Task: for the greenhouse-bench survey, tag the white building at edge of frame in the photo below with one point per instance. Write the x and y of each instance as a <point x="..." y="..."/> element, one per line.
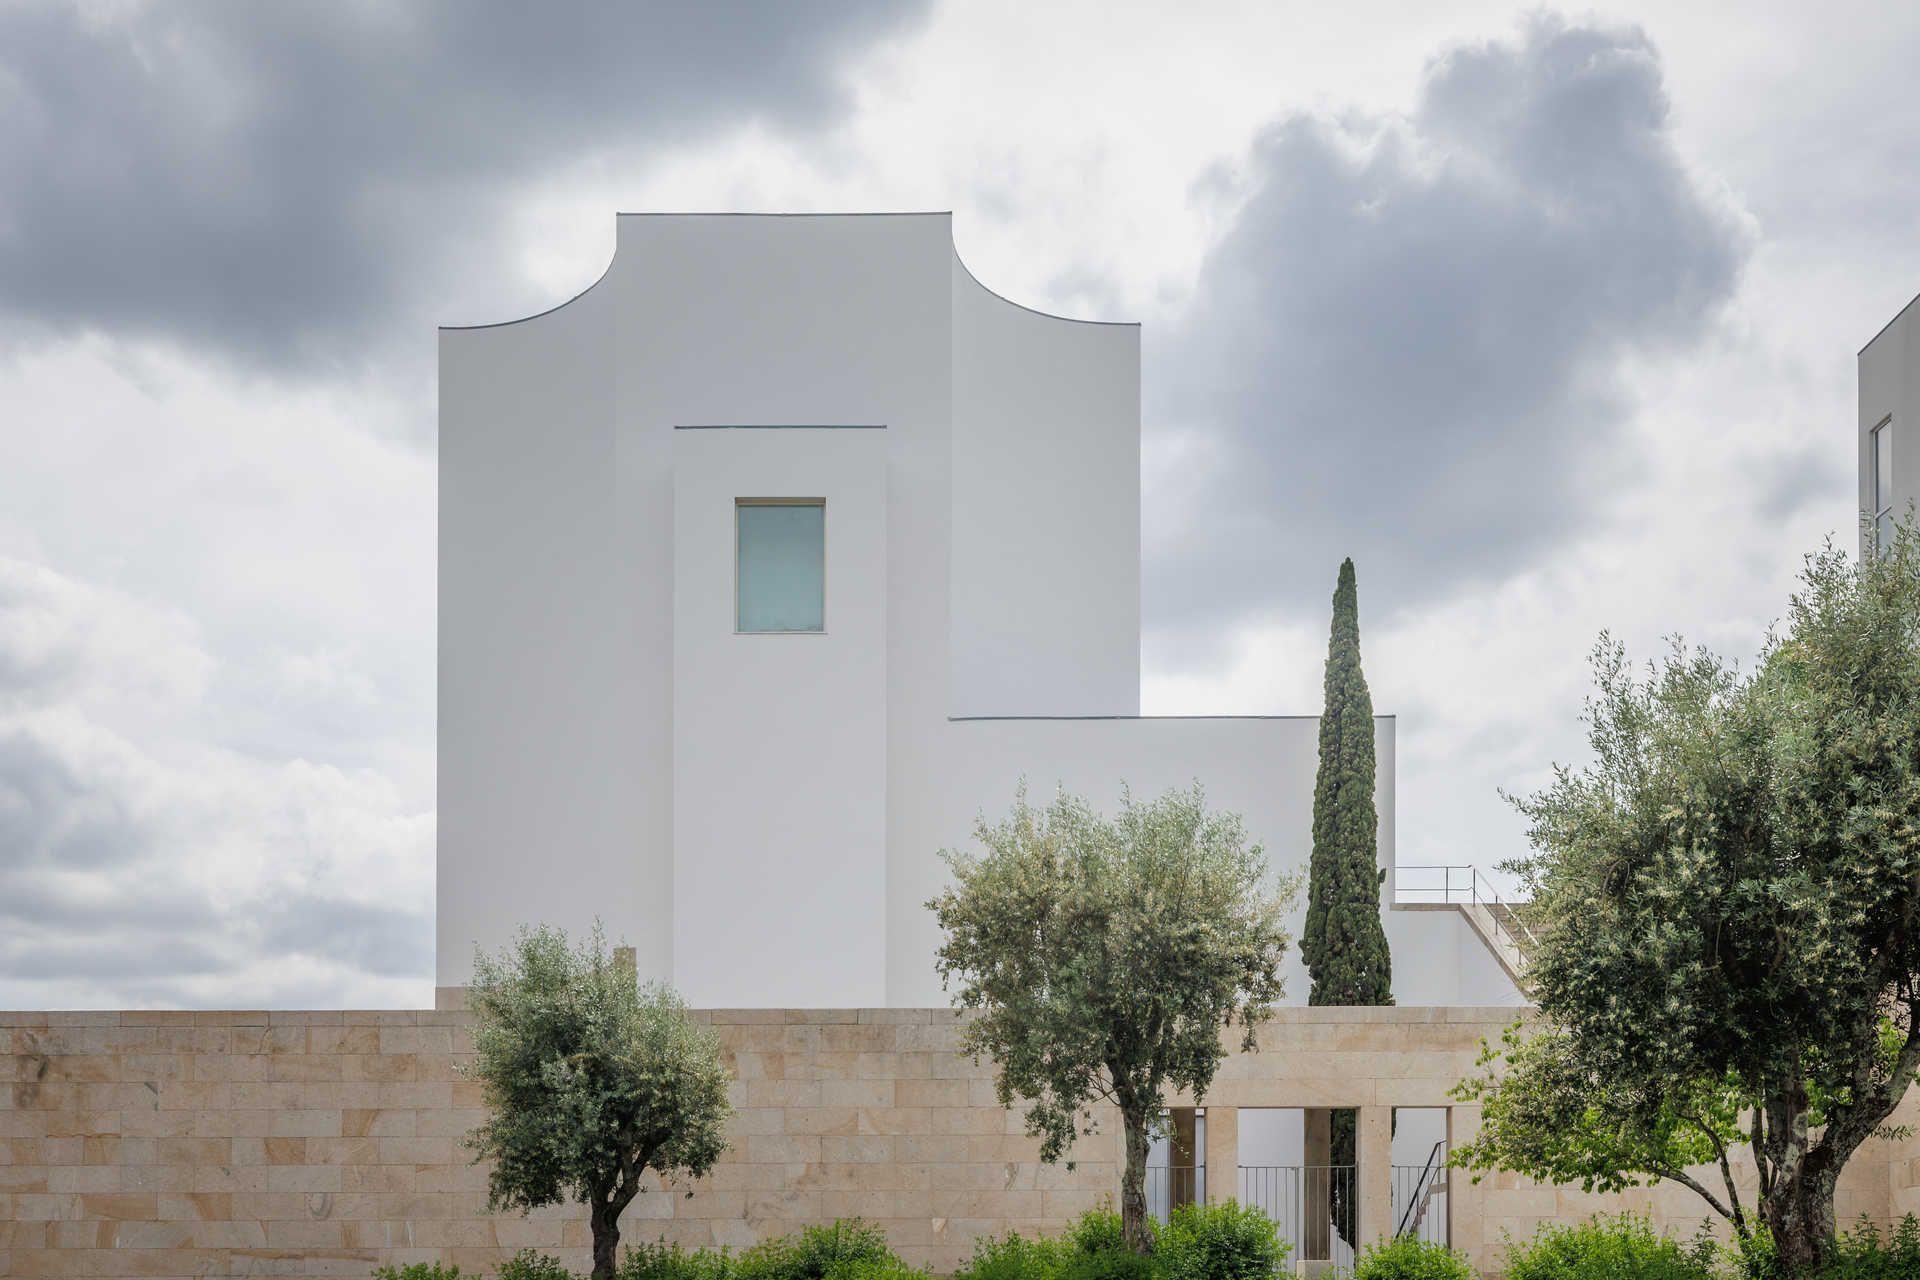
<point x="768" y="564"/>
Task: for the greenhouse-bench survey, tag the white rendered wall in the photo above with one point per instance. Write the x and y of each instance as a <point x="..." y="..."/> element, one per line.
<point x="1440" y="960"/>
<point x="780" y="741"/>
<point x="532" y="826"/>
<point x="1046" y="510"/>
<point x="1889" y="373"/>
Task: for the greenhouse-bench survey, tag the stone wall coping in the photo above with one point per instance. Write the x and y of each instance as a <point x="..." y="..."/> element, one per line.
<point x="451" y="1012"/>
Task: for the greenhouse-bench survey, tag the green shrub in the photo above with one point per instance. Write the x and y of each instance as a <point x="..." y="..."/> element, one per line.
<point x="416" y="1271"/>
<point x="869" y="1269"/>
<point x="663" y="1261"/>
<point x="1603" y="1248"/>
<point x="1410" y="1259"/>
<point x="812" y="1253"/>
<point x="1107" y="1264"/>
<point x="1864" y="1254"/>
<point x="1099" y="1231"/>
<point x="1014" y="1257"/>
<point x="1218" y="1242"/>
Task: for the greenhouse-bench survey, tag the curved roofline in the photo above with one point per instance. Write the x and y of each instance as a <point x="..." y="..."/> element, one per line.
<point x="992" y="292"/>
<point x="865" y="213"/>
<point x="502" y="324"/>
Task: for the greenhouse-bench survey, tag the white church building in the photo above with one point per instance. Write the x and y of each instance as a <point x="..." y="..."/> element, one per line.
<point x="767" y="565"/>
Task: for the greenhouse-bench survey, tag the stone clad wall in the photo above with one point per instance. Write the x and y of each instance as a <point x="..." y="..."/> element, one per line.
<point x="322" y="1144"/>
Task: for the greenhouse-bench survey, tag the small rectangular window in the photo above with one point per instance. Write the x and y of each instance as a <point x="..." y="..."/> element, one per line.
<point x="1883" y="485"/>
<point x="780" y="567"/>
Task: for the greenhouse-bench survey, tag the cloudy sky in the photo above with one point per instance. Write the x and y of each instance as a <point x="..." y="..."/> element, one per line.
<point x="1545" y="317"/>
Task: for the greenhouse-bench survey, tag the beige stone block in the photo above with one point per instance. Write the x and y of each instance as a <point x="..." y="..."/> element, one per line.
<point x="782" y="1093"/>
<point x="901" y="1066"/>
<point x="823" y="1120"/>
<point x="343" y="1040"/>
<point x="83" y="1177"/>
<point x="932" y="1149"/>
<point x="931" y="1093"/>
<point x="439" y="1067"/>
<point x="305" y="1067"/>
<point x="302" y="1179"/>
<point x="141" y="1123"/>
<point x="895" y="1121"/>
<point x="868" y="1149"/>
<point x="196" y="1206"/>
<point x="152" y="1235"/>
<point x="194" y="1151"/>
<point x="135" y="1206"/>
<point x="372" y="1122"/>
<point x="782" y="1149"/>
<point x="305" y="1124"/>
<point x="167" y="1177"/>
<point x="857" y="1093"/>
<point x="80" y="1235"/>
<point x="415" y="1151"/>
<point x="339" y="1151"/>
<point x="420" y="1096"/>
<point x="387" y="1178"/>
<point x="35" y="1207"/>
<point x="447" y="1122"/>
<point x="228" y="1235"/>
<point x="309" y="1234"/>
<point x="82" y="1124"/>
<point x="78" y="1068"/>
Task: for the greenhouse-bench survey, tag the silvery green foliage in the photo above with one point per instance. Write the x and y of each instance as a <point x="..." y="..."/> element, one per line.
<point x="1105" y="957"/>
<point x="591" y="1080"/>
<point x="1731" y="891"/>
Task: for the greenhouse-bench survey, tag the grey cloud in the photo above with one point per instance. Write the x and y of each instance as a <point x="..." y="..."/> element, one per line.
<point x="384" y="941"/>
<point x="108" y="849"/>
<point x="51" y="815"/>
<point x="1403" y="350"/>
<point x="279" y="180"/>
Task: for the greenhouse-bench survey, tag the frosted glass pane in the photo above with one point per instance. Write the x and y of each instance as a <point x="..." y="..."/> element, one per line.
<point x="783" y="565"/>
<point x="1883" y="468"/>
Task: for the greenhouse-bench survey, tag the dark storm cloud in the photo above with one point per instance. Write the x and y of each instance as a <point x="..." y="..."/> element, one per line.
<point x="1403" y="350"/>
<point x="278" y="179"/>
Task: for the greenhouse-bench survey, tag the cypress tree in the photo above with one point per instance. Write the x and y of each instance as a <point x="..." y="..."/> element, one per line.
<point x="1344" y="944"/>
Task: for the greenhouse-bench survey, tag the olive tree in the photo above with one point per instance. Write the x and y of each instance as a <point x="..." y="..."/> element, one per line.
<point x="1106" y="956"/>
<point x="1550" y="1116"/>
<point x="590" y="1080"/>
<point x="1729" y="895"/>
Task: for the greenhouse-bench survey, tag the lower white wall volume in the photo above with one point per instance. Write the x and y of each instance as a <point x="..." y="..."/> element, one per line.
<point x="780" y="740"/>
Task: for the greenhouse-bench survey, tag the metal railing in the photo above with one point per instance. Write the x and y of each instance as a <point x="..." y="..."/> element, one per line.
<point x="1464" y="885"/>
<point x="1170" y="1186"/>
<point x="1415" y="1188"/>
<point x="1303" y="1201"/>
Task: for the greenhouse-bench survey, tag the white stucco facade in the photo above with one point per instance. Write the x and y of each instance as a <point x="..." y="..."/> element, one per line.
<point x="761" y="815"/>
<point x="1889" y="388"/>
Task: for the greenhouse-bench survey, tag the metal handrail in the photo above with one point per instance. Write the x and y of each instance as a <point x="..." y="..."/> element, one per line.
<point x="1476" y="890"/>
<point x="1408" y="1222"/>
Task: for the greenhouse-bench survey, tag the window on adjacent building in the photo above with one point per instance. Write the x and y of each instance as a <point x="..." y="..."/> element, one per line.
<point x="1883" y="485"/>
<point x="780" y="566"/>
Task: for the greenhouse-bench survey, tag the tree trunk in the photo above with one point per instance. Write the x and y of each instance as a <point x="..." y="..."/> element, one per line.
<point x="606" y="1237"/>
<point x="1799" y="1213"/>
<point x="1133" y="1184"/>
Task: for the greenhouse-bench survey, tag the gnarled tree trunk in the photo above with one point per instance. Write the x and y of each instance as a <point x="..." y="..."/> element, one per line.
<point x="1133" y="1181"/>
<point x="1799" y="1213"/>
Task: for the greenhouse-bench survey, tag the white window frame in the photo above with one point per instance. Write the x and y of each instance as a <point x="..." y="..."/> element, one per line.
<point x="1882" y="490"/>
